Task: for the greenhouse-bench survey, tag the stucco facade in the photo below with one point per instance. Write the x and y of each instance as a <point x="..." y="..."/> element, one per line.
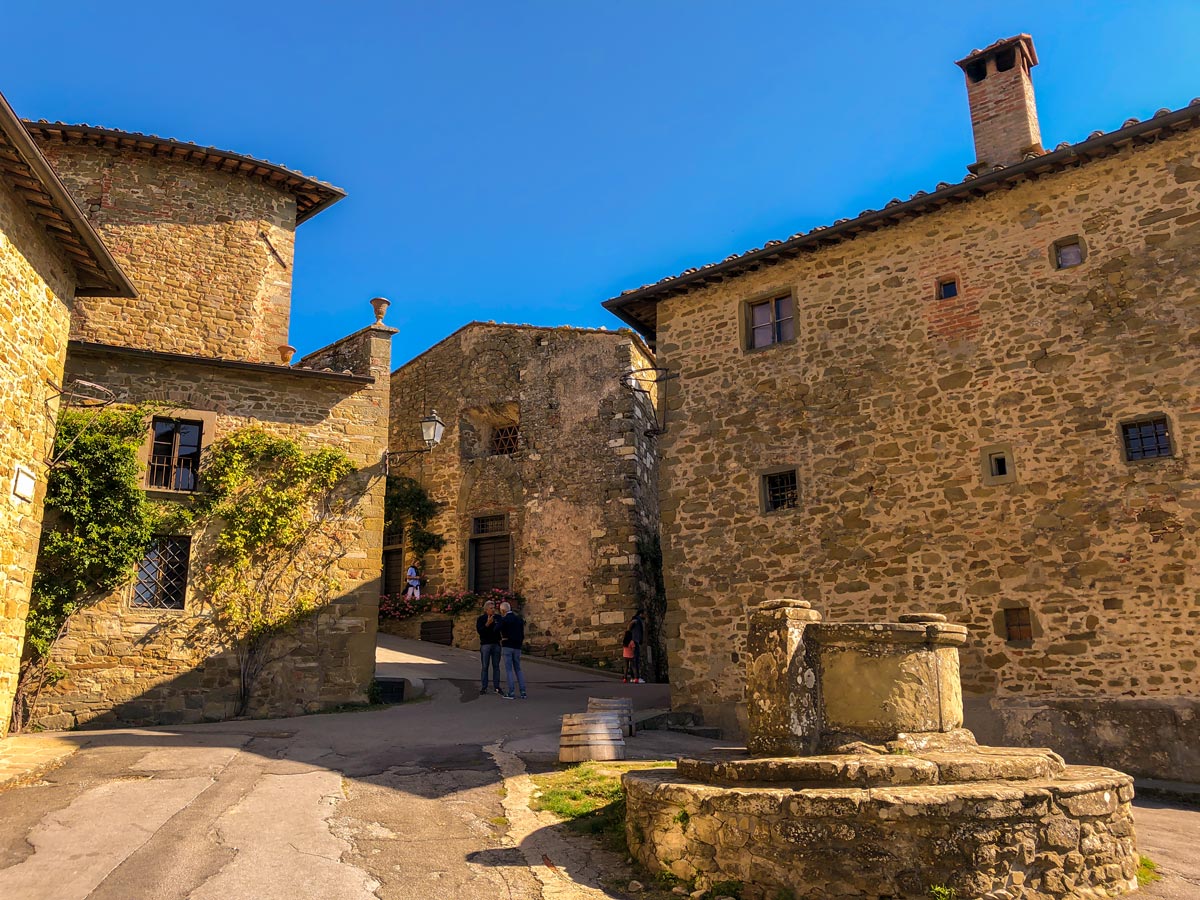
<point x="891" y="404"/>
<point x="573" y="495"/>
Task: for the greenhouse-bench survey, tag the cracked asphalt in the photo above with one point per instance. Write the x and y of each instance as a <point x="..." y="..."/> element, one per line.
<point x="424" y="800"/>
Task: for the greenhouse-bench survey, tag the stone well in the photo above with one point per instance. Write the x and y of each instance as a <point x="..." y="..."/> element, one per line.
<point x="860" y="781"/>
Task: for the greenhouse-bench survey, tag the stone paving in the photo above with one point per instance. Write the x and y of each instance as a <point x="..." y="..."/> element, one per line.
<point x="424" y="800"/>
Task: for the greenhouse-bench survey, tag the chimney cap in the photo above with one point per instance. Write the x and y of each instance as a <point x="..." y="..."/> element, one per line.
<point x="1022" y="41"/>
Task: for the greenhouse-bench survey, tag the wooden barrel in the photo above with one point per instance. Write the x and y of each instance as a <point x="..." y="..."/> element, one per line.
<point x="622" y="706"/>
<point x="590" y="736"/>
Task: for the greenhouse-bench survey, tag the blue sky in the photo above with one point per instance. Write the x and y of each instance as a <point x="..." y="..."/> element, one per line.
<point x="524" y="161"/>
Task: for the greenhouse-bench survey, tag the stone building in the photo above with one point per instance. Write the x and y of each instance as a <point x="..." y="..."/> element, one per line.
<point x="547" y="476"/>
<point x="207" y="237"/>
<point x="49" y="257"/>
<point x="981" y="401"/>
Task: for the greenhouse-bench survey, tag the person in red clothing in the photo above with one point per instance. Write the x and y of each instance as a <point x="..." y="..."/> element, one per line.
<point x="627" y="652"/>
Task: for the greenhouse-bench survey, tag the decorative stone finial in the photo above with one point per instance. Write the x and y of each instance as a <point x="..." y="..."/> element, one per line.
<point x="380" y="305"/>
<point x="286" y="352"/>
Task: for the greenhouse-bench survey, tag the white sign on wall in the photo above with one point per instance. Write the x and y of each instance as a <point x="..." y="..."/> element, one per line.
<point x="24" y="483"/>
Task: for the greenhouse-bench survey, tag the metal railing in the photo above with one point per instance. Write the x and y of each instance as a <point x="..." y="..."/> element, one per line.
<point x="172" y="473"/>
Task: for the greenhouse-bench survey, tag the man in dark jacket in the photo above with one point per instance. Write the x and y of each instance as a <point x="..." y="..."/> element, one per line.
<point x="637" y="629"/>
<point x="487" y="626"/>
<point x="512" y="637"/>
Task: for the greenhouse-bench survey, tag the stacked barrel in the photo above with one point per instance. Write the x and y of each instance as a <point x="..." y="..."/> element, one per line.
<point x="599" y="733"/>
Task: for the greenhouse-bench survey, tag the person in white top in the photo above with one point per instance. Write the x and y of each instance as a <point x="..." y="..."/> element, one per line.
<point x="413" y="576"/>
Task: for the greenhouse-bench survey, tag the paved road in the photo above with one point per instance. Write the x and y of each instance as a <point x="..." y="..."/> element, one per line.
<point x="423" y="800"/>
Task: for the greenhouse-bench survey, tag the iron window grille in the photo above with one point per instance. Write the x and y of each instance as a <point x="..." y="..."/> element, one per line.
<point x="1018" y="626"/>
<point x="504" y="440"/>
<point x="771" y="322"/>
<point x="1146" y="439"/>
<point x="162" y="574"/>
<point x="780" y="491"/>
<point x="175" y="454"/>
<point x="490" y="525"/>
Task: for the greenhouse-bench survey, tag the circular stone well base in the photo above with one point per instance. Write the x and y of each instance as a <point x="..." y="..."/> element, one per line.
<point x="1069" y="834"/>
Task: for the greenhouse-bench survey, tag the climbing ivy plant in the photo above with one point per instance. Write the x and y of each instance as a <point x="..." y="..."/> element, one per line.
<point x="407" y="510"/>
<point x="271" y="514"/>
<point x="97" y="527"/>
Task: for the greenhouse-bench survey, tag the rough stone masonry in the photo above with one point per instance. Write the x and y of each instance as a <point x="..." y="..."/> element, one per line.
<point x="1026" y="315"/>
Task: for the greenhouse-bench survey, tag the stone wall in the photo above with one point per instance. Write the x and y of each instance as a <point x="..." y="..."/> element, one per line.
<point x="210" y="253"/>
<point x="36" y="287"/>
<point x="886" y="404"/>
<point x="132" y="665"/>
<point x="579" y="491"/>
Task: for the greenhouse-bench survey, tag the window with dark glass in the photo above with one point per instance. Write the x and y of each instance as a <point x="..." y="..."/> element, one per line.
<point x="504" y="440"/>
<point x="1017" y="624"/>
<point x="1068" y="254"/>
<point x="780" y="491"/>
<point x="175" y="454"/>
<point x="162" y="574"/>
<point x="1146" y="439"/>
<point x="947" y="288"/>
<point x="771" y="322"/>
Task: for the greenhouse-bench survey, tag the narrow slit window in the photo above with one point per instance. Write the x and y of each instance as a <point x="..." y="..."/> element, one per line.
<point x="1018" y="626"/>
<point x="998" y="464"/>
<point x="771" y="322"/>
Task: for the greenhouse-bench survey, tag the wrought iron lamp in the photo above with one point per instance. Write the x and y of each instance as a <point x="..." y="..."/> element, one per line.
<point x="432" y="428"/>
<point x="648" y="381"/>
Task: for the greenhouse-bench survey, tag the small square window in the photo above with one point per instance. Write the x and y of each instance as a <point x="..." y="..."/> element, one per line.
<point x="1146" y="439"/>
<point x="1068" y="254"/>
<point x="1018" y="626"/>
<point x="770" y="322"/>
<point x="780" y="491"/>
<point x="504" y="440"/>
<point x="998" y="464"/>
<point x="947" y="289"/>
<point x="162" y="574"/>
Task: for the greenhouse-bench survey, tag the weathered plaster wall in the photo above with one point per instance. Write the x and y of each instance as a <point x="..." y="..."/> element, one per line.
<point x="210" y="253"/>
<point x="137" y="666"/>
<point x="883" y="404"/>
<point x="36" y="287"/>
<point x="579" y="491"/>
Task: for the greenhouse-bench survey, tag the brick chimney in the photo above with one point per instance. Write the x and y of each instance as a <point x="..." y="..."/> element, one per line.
<point x="1000" y="92"/>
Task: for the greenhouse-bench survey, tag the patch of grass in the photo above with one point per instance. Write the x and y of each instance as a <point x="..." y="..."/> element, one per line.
<point x="682" y="818"/>
<point x="589" y="797"/>
<point x="502" y="821"/>
<point x="941" y="892"/>
<point x="502" y="791"/>
<point x="1147" y="871"/>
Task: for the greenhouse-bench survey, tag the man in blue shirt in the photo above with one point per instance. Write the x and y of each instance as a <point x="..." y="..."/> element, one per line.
<point x="512" y="637"/>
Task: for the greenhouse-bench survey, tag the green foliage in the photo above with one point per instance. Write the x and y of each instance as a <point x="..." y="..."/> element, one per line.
<point x="98" y="523"/>
<point x="941" y="892"/>
<point x="408" y="508"/>
<point x="97" y="527"/>
<point x="271" y="500"/>
<point x="590" y="798"/>
<point x="682" y="818"/>
<point x="397" y="606"/>
<point x="1147" y="871"/>
<point x="273" y="516"/>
